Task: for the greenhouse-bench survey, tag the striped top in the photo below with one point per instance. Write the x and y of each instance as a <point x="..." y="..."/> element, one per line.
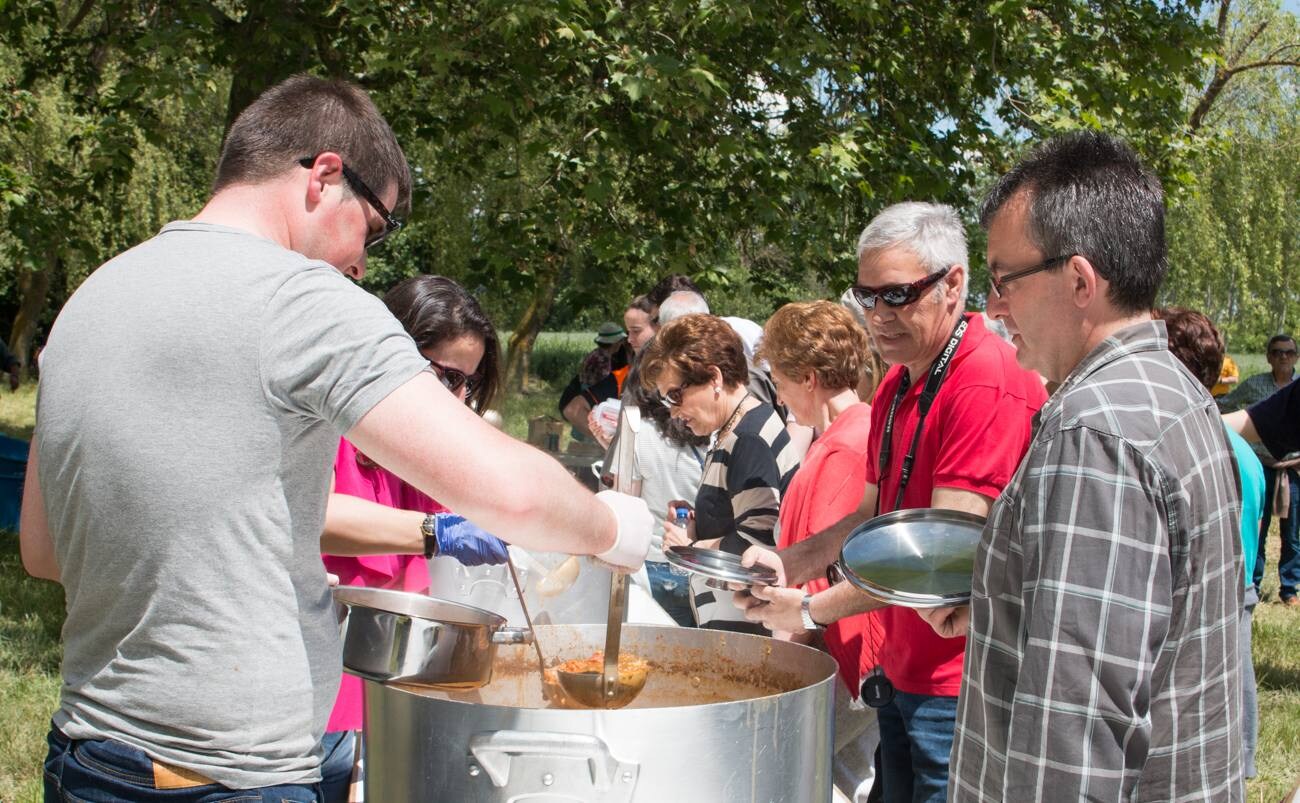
<point x="745" y="476"/>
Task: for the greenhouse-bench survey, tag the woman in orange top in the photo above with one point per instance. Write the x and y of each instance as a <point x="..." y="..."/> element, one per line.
<point x="817" y="353"/>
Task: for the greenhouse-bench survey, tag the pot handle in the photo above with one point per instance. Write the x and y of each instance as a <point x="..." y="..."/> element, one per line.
<point x="561" y="765"/>
<point x="512" y="635"/>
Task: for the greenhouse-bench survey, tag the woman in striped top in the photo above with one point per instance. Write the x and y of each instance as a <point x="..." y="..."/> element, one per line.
<point x="697" y="364"/>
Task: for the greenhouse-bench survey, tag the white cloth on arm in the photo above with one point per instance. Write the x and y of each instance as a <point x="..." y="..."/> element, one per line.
<point x="194" y="391"/>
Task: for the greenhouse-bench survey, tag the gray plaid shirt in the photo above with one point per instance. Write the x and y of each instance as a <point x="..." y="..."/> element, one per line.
<point x="1102" y="660"/>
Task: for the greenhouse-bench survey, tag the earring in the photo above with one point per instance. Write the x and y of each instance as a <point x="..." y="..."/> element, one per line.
<point x="716" y="391"/>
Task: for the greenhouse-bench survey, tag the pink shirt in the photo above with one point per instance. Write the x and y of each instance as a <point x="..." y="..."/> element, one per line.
<point x="828" y="487"/>
<point x="403" y="572"/>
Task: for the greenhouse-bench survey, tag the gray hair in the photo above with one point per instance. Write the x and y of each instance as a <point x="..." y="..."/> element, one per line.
<point x="681" y="303"/>
<point x="933" y="232"/>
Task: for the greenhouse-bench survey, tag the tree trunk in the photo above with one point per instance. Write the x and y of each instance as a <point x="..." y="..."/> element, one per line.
<point x="265" y="57"/>
<point x="530" y="324"/>
<point x="34" y="291"/>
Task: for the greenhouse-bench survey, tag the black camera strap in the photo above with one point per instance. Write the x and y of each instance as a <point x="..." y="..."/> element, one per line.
<point x="876" y="689"/>
<point x="934" y="380"/>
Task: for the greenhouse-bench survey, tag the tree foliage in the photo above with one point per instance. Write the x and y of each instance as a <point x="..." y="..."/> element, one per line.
<point x="569" y="152"/>
<point x="1235" y="236"/>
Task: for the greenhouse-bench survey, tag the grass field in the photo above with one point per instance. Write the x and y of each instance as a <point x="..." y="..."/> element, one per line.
<point x="31" y="614"/>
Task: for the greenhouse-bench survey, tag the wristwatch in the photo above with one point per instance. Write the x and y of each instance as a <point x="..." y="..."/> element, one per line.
<point x="429" y="529"/>
<point x="806" y="613"/>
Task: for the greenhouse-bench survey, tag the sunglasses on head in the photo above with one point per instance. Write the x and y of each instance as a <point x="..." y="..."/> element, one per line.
<point x="391" y="223"/>
<point x="454" y="379"/>
<point x="896" y="295"/>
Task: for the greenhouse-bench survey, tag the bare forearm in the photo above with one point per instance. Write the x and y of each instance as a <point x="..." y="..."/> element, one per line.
<point x="34" y="540"/>
<point x="1240" y="423"/>
<point x="355" y="526"/>
<point x="839" y="601"/>
<point x="425" y="436"/>
<point x="809" y="558"/>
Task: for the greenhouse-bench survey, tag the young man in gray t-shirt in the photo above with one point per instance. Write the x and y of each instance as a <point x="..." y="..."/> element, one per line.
<point x="193" y="392"/>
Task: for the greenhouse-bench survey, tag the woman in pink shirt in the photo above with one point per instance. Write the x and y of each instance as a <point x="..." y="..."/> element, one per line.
<point x="368" y="501"/>
<point x="817" y="354"/>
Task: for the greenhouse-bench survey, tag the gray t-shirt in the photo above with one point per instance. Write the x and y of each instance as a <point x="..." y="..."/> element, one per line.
<point x="193" y="392"/>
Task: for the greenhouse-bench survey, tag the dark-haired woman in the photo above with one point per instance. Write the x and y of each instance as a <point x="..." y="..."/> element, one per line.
<point x="372" y="504"/>
<point x="697" y="364"/>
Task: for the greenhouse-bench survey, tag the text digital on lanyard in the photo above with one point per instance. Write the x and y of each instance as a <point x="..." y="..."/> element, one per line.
<point x="877" y="691"/>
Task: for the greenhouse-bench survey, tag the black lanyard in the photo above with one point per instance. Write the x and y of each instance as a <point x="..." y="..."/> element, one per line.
<point x="938" y="371"/>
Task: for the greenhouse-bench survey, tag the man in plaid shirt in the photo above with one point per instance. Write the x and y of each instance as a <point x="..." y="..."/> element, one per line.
<point x="1101" y="661"/>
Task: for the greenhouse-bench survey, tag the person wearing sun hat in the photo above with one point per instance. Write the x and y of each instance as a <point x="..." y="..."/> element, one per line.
<point x="600" y="376"/>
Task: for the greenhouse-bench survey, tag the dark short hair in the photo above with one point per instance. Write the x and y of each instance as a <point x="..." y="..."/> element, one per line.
<point x="435" y="310"/>
<point x="1090" y="195"/>
<point x="670" y="284"/>
<point x="1279" y="338"/>
<point x="304" y="116"/>
<point x="1195" y="342"/>
<point x="691" y="345"/>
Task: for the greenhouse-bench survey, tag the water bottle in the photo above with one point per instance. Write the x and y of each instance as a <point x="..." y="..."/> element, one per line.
<point x="682" y="516"/>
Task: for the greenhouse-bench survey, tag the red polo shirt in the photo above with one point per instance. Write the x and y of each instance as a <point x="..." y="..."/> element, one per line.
<point x="976" y="433"/>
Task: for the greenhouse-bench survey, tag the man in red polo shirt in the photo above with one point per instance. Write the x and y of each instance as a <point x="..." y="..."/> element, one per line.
<point x="912" y="286"/>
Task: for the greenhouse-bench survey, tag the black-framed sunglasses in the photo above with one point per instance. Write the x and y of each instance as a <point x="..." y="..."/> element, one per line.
<point x="896" y="295"/>
<point x="1275" y="352"/>
<point x="453" y="379"/>
<point x="673" y="396"/>
<point x="391" y="223"/>
<point x="999" y="285"/>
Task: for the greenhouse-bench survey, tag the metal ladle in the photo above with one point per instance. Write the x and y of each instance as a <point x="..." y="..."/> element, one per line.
<point x="523" y="605"/>
<point x="607" y="689"/>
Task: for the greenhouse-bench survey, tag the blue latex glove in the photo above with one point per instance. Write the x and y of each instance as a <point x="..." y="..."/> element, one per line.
<point x="466" y="543"/>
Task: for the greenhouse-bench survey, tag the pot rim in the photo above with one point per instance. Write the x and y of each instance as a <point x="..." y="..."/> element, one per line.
<point x="418" y="606"/>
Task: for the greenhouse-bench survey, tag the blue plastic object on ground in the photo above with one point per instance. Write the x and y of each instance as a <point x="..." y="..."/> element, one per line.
<point x="13" y="470"/>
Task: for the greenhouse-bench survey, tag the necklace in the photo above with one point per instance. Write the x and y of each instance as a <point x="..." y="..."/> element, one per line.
<point x="731" y="419"/>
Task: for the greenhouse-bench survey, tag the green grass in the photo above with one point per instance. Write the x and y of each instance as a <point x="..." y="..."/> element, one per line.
<point x="18" y="415"/>
<point x="31" y="615"/>
<point x="1249" y="364"/>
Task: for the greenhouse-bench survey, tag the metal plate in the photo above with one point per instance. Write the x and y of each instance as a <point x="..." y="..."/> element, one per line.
<point x="718" y="566"/>
<point x="920" y="558"/>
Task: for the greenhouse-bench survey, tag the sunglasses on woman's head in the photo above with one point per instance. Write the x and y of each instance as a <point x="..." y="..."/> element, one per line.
<point x="454" y="379"/>
<point x="896" y="295"/>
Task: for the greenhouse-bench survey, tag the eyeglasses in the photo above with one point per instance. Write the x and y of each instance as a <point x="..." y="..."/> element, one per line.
<point x="999" y="285"/>
<point x="1281" y="352"/>
<point x="673" y="396"/>
<point x="454" y="379"/>
<point x="896" y="295"/>
<point x="391" y="224"/>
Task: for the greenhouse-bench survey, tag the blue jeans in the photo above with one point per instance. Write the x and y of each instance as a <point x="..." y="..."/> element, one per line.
<point x="671" y="591"/>
<point x="105" y="771"/>
<point x="916" y="733"/>
<point x="336" y="766"/>
<point x="1288" y="565"/>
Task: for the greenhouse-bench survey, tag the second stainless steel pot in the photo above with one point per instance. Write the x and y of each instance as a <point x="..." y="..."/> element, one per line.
<point x="394" y="636"/>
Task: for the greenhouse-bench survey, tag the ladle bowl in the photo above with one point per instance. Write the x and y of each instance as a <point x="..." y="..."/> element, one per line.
<point x="587" y="689"/>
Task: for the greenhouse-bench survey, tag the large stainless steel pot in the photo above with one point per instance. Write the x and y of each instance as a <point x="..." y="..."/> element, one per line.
<point x="410" y="638"/>
<point x="724" y="717"/>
